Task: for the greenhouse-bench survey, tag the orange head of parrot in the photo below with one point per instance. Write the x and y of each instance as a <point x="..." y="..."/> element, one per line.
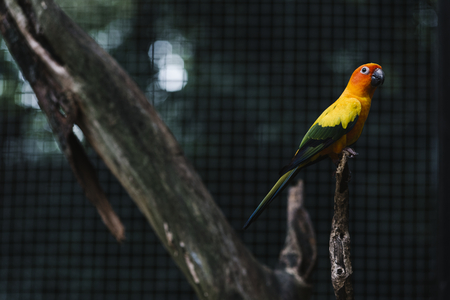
<point x="365" y="79"/>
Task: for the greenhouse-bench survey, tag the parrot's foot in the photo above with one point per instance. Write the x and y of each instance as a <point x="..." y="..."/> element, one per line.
<point x="351" y="153"/>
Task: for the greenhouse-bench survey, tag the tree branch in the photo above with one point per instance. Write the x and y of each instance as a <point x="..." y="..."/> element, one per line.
<point x="341" y="267"/>
<point x="300" y="251"/>
<point x="299" y="254"/>
<point x="76" y="81"/>
<point x="56" y="91"/>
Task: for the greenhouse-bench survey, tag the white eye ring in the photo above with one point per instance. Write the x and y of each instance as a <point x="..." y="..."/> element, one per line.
<point x="365" y="70"/>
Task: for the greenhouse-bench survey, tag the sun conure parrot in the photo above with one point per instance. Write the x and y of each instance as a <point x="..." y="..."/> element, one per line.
<point x="338" y="127"/>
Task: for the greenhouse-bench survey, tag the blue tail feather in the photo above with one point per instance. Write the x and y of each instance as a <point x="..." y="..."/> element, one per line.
<point x="276" y="189"/>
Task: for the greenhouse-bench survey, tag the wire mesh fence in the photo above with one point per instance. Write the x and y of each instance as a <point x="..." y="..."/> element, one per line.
<point x="238" y="83"/>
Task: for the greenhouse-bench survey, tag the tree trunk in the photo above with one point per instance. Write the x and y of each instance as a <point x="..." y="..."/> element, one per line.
<point x="77" y="82"/>
<point x="339" y="249"/>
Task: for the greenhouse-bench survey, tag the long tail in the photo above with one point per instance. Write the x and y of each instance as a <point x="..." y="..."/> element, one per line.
<point x="276" y="189"/>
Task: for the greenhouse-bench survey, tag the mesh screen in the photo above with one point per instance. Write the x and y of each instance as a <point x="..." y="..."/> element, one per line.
<point x="238" y="83"/>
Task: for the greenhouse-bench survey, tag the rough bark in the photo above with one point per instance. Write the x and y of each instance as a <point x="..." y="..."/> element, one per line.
<point x="77" y="82"/>
<point x="55" y="90"/>
<point x="299" y="254"/>
<point x="341" y="266"/>
<point x="300" y="251"/>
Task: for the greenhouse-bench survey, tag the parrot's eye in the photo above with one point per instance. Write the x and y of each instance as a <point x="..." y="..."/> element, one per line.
<point x="365" y="70"/>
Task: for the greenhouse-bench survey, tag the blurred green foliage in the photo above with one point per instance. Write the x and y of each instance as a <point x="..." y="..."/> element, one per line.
<point x="96" y="14"/>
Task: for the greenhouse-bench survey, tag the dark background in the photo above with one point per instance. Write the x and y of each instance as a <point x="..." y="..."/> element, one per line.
<point x="259" y="74"/>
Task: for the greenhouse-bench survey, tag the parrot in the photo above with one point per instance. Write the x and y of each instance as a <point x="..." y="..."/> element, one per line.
<point x="334" y="131"/>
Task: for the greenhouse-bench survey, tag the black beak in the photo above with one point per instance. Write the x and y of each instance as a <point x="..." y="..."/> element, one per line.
<point x="377" y="78"/>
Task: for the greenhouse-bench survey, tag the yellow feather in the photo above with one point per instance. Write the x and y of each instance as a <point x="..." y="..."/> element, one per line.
<point x="343" y="111"/>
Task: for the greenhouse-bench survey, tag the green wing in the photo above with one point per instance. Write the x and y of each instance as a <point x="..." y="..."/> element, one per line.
<point x="336" y="121"/>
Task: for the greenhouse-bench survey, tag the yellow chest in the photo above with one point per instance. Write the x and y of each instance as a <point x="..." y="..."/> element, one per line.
<point x="354" y="134"/>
